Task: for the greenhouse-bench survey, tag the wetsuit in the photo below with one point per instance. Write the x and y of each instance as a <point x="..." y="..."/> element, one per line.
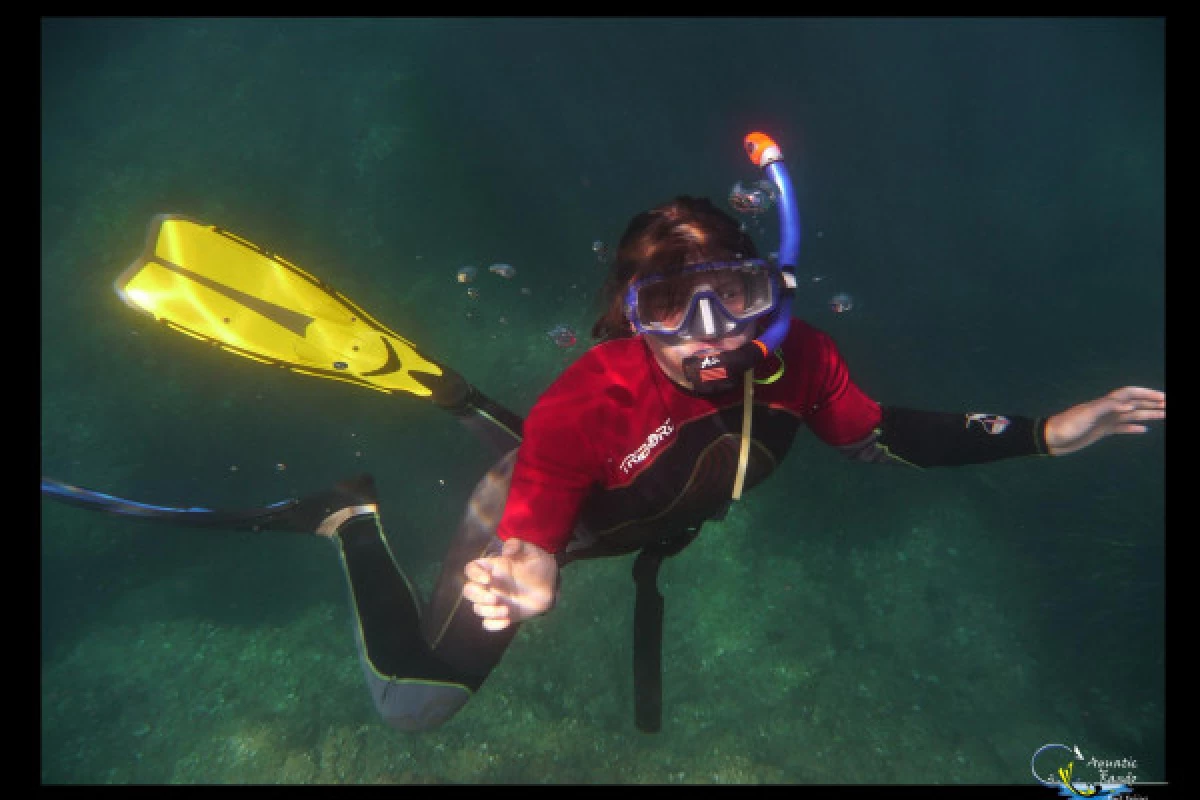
<point x="617" y="458"/>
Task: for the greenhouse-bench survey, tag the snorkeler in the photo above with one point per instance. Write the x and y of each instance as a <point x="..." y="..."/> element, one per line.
<point x="694" y="394"/>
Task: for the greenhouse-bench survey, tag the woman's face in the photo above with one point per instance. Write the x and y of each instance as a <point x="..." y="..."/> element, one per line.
<point x="669" y="304"/>
<point x="670" y="352"/>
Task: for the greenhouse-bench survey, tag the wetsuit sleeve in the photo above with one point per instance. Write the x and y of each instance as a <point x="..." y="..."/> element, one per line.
<point x="553" y="475"/>
<point x="837" y="410"/>
<point x="842" y="415"/>
<point x="940" y="439"/>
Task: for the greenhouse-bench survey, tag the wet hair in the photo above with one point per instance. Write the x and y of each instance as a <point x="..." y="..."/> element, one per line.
<point x="662" y="241"/>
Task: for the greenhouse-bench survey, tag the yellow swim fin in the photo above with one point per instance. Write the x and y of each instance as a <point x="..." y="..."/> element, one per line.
<point x="220" y="288"/>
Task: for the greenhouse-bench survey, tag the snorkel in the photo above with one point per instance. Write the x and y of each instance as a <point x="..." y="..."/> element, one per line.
<point x="715" y="372"/>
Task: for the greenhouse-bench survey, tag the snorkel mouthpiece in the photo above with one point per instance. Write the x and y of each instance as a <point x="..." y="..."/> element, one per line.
<point x="717" y="372"/>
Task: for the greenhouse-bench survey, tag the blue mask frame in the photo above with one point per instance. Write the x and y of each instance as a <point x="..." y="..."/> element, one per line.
<point x="719" y="321"/>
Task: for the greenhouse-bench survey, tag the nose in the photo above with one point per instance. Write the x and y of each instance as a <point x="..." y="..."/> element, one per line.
<point x="708" y="325"/>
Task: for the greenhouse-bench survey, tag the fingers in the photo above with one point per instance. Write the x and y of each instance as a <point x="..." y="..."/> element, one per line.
<point x="485" y="602"/>
<point x="1140" y="396"/>
<point x="478" y="571"/>
<point x="1130" y="412"/>
<point x="485" y="598"/>
<point x="1134" y="410"/>
<point x="487" y="606"/>
<point x="490" y="571"/>
<point x="1142" y="415"/>
<point x="479" y="595"/>
<point x="1131" y="405"/>
<point x="495" y="618"/>
<point x="508" y="588"/>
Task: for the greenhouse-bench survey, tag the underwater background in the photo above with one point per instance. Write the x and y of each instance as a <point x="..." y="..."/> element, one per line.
<point x="989" y="191"/>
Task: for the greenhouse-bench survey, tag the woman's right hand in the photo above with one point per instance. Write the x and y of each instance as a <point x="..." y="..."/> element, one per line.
<point x="520" y="583"/>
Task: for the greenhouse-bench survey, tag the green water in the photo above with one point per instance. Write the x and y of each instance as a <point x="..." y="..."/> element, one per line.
<point x="991" y="192"/>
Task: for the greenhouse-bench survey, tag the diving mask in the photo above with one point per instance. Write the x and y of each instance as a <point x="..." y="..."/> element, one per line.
<point x="704" y="301"/>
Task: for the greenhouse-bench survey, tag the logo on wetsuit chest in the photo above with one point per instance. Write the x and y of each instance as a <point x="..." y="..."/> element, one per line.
<point x="652" y="441"/>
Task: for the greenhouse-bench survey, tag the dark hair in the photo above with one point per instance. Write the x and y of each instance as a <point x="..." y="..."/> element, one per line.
<point x="663" y="240"/>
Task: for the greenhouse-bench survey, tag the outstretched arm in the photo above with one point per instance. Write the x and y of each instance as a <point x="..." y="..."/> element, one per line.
<point x="519" y="583"/>
<point x="943" y="439"/>
<point x="1122" y="410"/>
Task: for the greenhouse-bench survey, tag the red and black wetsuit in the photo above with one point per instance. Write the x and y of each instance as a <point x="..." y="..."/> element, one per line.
<point x="620" y="455"/>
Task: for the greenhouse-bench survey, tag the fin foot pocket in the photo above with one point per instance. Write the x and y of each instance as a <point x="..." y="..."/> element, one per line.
<point x="324" y="512"/>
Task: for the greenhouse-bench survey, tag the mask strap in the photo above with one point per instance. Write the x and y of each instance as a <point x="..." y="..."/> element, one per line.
<point x="744" y="451"/>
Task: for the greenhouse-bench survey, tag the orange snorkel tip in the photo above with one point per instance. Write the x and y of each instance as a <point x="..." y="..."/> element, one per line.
<point x="762" y="149"/>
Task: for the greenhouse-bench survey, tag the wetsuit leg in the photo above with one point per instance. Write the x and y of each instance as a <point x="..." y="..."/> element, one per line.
<point x="422" y="671"/>
<point x="452" y="628"/>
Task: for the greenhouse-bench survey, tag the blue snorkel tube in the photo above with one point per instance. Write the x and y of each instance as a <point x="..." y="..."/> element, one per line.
<point x="763" y="151"/>
<point x="717" y="372"/>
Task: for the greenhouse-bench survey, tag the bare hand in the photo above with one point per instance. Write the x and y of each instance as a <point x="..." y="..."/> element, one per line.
<point x="520" y="583"/>
<point x="1119" y="411"/>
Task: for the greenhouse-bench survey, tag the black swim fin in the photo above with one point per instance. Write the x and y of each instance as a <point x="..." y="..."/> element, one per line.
<point x="306" y="514"/>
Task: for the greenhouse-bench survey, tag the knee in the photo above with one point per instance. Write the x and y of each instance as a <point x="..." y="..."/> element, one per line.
<point x="419" y="706"/>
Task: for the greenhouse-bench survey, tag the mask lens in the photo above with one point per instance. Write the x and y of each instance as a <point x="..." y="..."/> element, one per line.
<point x="743" y="291"/>
<point x="663" y="303"/>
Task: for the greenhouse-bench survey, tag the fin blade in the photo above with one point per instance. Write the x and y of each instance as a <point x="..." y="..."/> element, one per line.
<point x="221" y="288"/>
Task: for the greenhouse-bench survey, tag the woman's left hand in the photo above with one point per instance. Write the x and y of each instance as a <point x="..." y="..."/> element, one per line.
<point x="519" y="583"/>
<point x="1120" y="411"/>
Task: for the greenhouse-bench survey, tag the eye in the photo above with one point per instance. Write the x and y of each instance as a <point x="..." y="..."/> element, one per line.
<point x="729" y="290"/>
